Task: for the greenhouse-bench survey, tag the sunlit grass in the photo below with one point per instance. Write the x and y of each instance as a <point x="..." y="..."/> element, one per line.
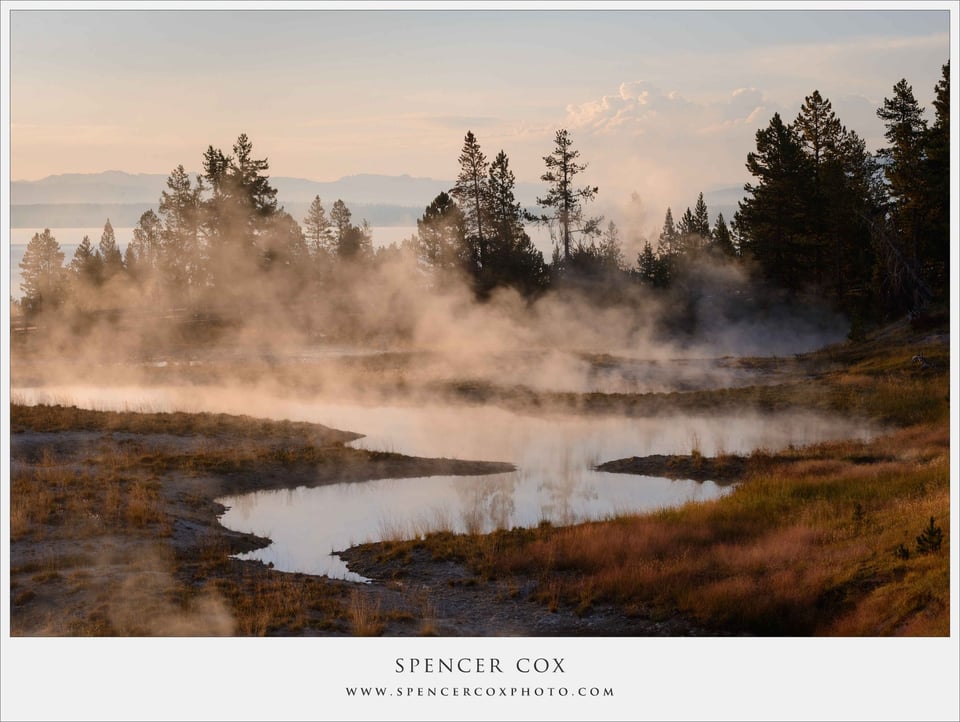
<point x="805" y="545"/>
<point x="364" y="615"/>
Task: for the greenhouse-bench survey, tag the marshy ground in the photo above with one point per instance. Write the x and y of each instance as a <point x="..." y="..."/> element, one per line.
<point x="114" y="523"/>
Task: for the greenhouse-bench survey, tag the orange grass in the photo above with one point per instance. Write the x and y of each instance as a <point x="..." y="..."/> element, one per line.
<point x="806" y="545"/>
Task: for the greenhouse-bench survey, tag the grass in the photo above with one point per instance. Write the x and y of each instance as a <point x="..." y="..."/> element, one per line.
<point x="115" y="496"/>
<point x="805" y="546"/>
<point x="821" y="540"/>
<point x="111" y="499"/>
<point x="365" y="617"/>
<point x="61" y="417"/>
<point x="53" y="498"/>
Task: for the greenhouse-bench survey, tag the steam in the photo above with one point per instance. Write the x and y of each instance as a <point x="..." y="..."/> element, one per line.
<point x="142" y="604"/>
<point x="388" y="327"/>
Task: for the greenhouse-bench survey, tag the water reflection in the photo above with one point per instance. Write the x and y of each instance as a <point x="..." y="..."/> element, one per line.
<point x="554" y="456"/>
<point x="487" y="503"/>
<point x="307" y="525"/>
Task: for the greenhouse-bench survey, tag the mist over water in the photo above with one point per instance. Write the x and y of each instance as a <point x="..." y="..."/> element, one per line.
<point x="419" y="366"/>
<point x="555" y="456"/>
<point x="481" y="432"/>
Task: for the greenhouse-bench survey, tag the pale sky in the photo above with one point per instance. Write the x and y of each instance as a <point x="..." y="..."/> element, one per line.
<point x="664" y="103"/>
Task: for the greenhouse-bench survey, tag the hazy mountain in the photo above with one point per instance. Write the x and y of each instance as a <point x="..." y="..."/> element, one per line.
<point x="109" y="187"/>
<point x="85" y="199"/>
<point x="88" y="199"/>
<point x="126" y="215"/>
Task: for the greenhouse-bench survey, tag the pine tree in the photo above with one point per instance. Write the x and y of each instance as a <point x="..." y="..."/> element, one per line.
<point x="930" y="539"/>
<point x="249" y="183"/>
<point x="85" y="265"/>
<point x="134" y="269"/>
<point x="506" y="214"/>
<point x="563" y="198"/>
<point x="340" y="217"/>
<point x="181" y="214"/>
<point x="356" y="244"/>
<point x="237" y="214"/>
<point x="701" y="222"/>
<point x="610" y="249"/>
<point x="819" y="131"/>
<point x="669" y="239"/>
<point x="647" y="265"/>
<point x="146" y="244"/>
<point x="441" y="233"/>
<point x="512" y="259"/>
<point x="937" y="173"/>
<point x="855" y="195"/>
<point x="317" y="227"/>
<point x="687" y="239"/>
<point x="653" y="270"/>
<point x="821" y="135"/>
<point x="42" y="273"/>
<point x="904" y="168"/>
<point x="284" y="246"/>
<point x="472" y="193"/>
<point x="720" y="238"/>
<point x="109" y="253"/>
<point x="771" y="220"/>
<point x="217" y="221"/>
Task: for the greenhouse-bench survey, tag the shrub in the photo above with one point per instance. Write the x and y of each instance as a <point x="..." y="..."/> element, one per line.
<point x="930" y="539"/>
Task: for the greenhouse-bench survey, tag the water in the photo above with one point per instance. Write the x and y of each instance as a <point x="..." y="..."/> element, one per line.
<point x="554" y="456"/>
<point x="307" y="525"/>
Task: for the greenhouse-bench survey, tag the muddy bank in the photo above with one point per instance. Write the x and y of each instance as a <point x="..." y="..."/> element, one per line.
<point x="447" y="598"/>
<point x="115" y="531"/>
<point x="721" y="470"/>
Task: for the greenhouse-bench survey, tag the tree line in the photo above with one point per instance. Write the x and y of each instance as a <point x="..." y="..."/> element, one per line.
<point x="870" y="231"/>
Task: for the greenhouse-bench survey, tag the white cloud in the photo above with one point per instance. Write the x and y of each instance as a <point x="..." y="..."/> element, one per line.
<point x="640" y="107"/>
<point x="666" y="146"/>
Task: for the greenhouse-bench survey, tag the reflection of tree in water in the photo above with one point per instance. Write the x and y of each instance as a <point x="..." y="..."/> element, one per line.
<point x="487" y="502"/>
<point x="564" y="489"/>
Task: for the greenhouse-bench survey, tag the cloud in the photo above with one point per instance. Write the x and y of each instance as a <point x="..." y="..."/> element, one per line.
<point x="665" y="146"/>
<point x="641" y="108"/>
<point x="636" y="106"/>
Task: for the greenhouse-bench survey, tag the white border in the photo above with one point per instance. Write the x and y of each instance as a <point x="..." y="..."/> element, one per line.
<point x="665" y="679"/>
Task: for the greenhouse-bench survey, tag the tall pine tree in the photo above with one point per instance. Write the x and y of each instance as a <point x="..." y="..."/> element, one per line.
<point x="109" y="252"/>
<point x="472" y="193"/>
<point x="771" y="219"/>
<point x="904" y="169"/>
<point x="42" y="273"/>
<point x="564" y="199"/>
<point x="181" y="258"/>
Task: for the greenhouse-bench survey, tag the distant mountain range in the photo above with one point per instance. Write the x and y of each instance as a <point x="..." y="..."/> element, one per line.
<point x="88" y="199"/>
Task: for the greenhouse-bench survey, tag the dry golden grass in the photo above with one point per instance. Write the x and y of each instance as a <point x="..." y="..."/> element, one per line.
<point x="806" y="545"/>
<point x="819" y="540"/>
<point x="63" y="417"/>
<point x="53" y="497"/>
<point x="364" y="615"/>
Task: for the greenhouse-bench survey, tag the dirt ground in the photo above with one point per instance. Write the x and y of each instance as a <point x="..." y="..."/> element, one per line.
<point x="76" y="572"/>
<point x="115" y="525"/>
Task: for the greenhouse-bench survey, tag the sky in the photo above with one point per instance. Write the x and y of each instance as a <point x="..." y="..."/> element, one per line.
<point x="661" y="104"/>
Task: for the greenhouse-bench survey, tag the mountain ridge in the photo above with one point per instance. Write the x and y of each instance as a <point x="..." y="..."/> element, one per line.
<point x="87" y="199"/>
<point x="115" y="186"/>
